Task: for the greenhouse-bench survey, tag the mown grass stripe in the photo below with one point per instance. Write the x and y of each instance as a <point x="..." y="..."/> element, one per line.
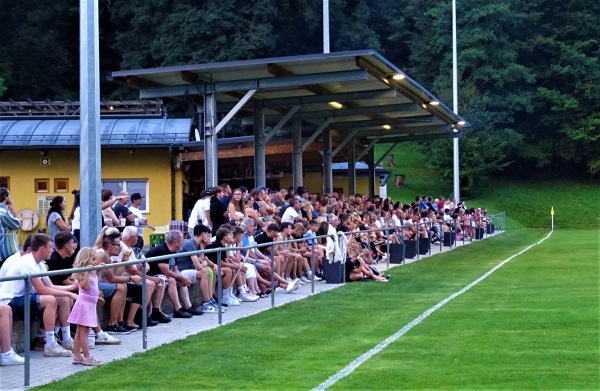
<point x="382" y="345"/>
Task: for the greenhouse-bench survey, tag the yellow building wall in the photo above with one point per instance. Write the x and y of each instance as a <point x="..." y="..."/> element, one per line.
<point x="23" y="167"/>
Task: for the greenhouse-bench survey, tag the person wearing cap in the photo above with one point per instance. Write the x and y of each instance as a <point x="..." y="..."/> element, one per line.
<point x="140" y="222"/>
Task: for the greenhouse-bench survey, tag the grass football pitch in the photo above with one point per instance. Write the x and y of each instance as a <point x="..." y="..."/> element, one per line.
<point x="533" y="324"/>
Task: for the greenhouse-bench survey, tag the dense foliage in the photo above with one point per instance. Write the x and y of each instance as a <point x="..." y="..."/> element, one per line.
<point x="529" y="72"/>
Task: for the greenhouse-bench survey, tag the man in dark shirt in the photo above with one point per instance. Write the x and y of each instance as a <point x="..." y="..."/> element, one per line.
<point x="267" y="236"/>
<point x="62" y="258"/>
<point x="344" y="219"/>
<point x="121" y="210"/>
<point x="218" y="211"/>
<point x="166" y="269"/>
<point x="224" y="237"/>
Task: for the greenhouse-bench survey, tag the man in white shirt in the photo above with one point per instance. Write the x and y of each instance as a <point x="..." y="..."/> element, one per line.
<point x="54" y="301"/>
<point x="291" y="213"/>
<point x="200" y="213"/>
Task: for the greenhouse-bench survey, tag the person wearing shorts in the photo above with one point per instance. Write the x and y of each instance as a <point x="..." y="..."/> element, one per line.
<point x="196" y="268"/>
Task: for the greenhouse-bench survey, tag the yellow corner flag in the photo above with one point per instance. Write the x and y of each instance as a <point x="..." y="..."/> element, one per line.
<point x="552" y="211"/>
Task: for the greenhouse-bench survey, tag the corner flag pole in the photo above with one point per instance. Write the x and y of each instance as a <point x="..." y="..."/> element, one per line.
<point x="552" y="214"/>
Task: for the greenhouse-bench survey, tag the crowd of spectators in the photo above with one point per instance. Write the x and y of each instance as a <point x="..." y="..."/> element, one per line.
<point x="223" y="221"/>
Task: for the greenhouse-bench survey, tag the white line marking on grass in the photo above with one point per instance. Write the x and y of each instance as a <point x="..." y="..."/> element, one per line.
<point x="382" y="345"/>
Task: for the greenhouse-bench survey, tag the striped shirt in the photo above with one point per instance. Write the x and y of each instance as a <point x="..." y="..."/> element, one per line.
<point x="8" y="233"/>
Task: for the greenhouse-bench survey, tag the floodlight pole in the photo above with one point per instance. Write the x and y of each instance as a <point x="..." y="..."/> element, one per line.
<point x="89" y="117"/>
<point x="325" y="26"/>
<point x="455" y="101"/>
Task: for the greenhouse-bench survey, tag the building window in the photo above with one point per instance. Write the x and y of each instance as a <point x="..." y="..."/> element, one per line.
<point x="42" y="185"/>
<point x="130" y="186"/>
<point x="61" y="185"/>
<point x="5" y="182"/>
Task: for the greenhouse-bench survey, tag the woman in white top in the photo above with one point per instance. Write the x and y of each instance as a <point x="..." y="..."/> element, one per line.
<point x="75" y="216"/>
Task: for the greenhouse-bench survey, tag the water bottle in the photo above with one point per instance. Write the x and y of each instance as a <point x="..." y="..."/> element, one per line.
<point x="91" y="339"/>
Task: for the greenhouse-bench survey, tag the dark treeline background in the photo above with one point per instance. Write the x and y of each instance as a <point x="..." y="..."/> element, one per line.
<point x="529" y="71"/>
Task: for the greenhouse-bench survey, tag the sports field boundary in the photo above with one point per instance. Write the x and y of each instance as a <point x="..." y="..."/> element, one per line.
<point x="45" y="370"/>
<point x="382" y="345"/>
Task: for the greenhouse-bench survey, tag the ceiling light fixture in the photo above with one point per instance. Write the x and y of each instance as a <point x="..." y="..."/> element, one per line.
<point x="386" y="127"/>
<point x="336" y="105"/>
<point x="398" y="76"/>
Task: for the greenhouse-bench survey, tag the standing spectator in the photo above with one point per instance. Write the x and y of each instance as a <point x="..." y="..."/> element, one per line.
<point x="121" y="210"/>
<point x="136" y="201"/>
<point x="75" y="216"/>
<point x="84" y="313"/>
<point x="107" y="212"/>
<point x="200" y="213"/>
<point x="226" y="193"/>
<point x="218" y="210"/>
<point x="56" y="219"/>
<point x="9" y="224"/>
<point x="236" y="207"/>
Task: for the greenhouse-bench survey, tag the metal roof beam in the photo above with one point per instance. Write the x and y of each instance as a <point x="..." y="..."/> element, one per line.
<point x="405" y="107"/>
<point x="421" y="137"/>
<point x="234" y="111"/>
<point x="387" y="152"/>
<point x="351" y="125"/>
<point x="261" y="83"/>
<point x="368" y="147"/>
<point x="343" y="143"/>
<point x="339" y="97"/>
<point x="281" y="123"/>
<point x="316" y="134"/>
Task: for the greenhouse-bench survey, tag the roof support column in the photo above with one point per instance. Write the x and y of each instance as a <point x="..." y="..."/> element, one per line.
<point x="89" y="149"/>
<point x="327" y="162"/>
<point x="371" y="163"/>
<point x="351" y="168"/>
<point x="259" y="148"/>
<point x="211" y="150"/>
<point x="297" y="174"/>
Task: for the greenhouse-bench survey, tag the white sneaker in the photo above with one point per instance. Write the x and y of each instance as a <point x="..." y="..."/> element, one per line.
<point x="11" y="358"/>
<point x="227" y="300"/>
<point x="289" y="279"/>
<point x="209" y="308"/>
<point x="281" y="290"/>
<point x="68" y="345"/>
<point x="300" y="281"/>
<point x="248" y="298"/>
<point x="233" y="297"/>
<point x="55" y="350"/>
<point x="292" y="286"/>
<point x="106" y="339"/>
<point x="304" y="279"/>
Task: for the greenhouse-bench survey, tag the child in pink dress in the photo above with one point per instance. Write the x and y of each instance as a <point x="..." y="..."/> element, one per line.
<point x="83" y="313"/>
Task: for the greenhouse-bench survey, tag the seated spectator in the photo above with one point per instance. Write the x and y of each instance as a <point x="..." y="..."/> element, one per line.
<point x="358" y="270"/>
<point x="134" y="286"/>
<point x="52" y="302"/>
<point x="155" y="288"/>
<point x="7" y="355"/>
<point x="112" y="285"/>
<point x="62" y="258"/>
<point x="166" y="269"/>
<point x="196" y="267"/>
<point x="15" y="258"/>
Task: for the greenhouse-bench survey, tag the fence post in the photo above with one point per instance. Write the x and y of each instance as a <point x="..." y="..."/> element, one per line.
<point x="272" y="256"/>
<point x="27" y="331"/>
<point x="312" y="265"/>
<point x="144" y="309"/>
<point x="219" y="288"/>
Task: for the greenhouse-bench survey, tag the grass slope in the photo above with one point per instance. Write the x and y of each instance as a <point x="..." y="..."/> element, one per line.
<point x="300" y="345"/>
<point x="527" y="203"/>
